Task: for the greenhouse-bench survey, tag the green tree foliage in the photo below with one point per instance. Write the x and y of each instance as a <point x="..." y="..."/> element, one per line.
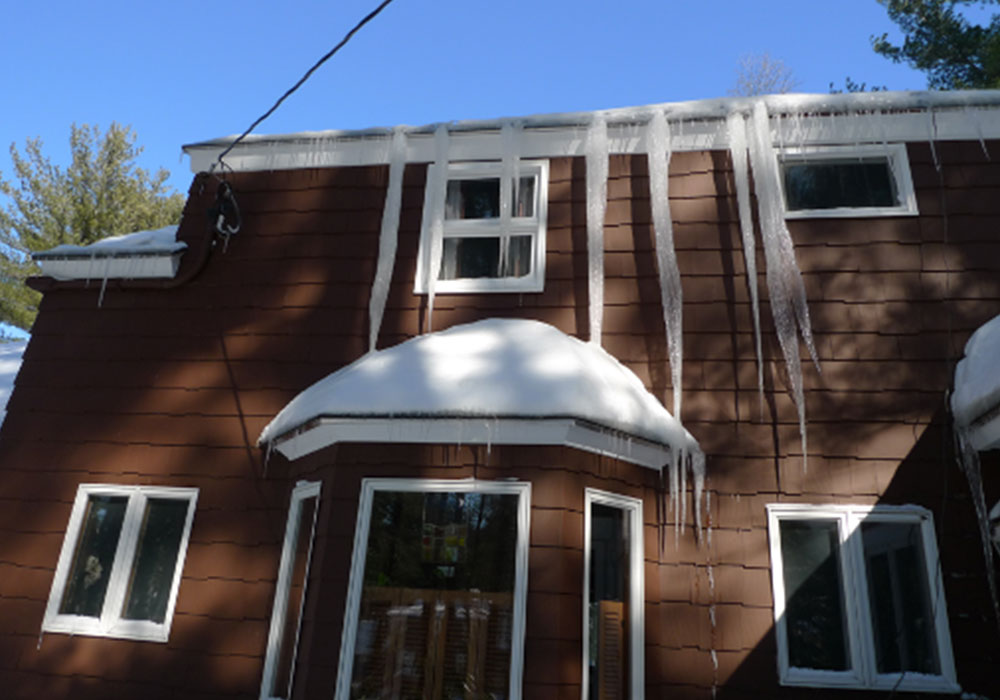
<point x="944" y="44"/>
<point x="100" y="193"/>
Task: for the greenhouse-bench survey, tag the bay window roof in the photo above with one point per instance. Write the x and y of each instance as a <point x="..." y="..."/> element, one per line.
<point x="975" y="401"/>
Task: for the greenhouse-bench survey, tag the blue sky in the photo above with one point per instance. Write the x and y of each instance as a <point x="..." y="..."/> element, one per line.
<point x="184" y="71"/>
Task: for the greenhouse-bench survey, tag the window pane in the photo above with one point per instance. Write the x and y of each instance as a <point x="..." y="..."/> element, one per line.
<point x="609" y="657"/>
<point x="463" y="258"/>
<point x="828" y="184"/>
<point x="524" y="198"/>
<point x="436" y="611"/>
<point x="814" y="604"/>
<point x="155" y="559"/>
<point x="95" y="553"/>
<point x="473" y="199"/>
<point x="282" y="686"/>
<point x="518" y="263"/>
<point x="902" y="617"/>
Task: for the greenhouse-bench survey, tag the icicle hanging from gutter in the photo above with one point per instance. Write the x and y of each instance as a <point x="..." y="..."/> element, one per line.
<point x="434" y="218"/>
<point x="784" y="280"/>
<point x="388" y="236"/>
<point x="968" y="460"/>
<point x="659" y="150"/>
<point x="510" y="179"/>
<point x="736" y="124"/>
<point x="596" y="150"/>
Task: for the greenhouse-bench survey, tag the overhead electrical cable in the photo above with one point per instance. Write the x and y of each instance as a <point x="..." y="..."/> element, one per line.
<point x="347" y="37"/>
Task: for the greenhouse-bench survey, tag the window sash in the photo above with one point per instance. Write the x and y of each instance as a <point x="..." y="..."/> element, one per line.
<point x="111" y="622"/>
<point x="863" y="672"/>
<point x="359" y="559"/>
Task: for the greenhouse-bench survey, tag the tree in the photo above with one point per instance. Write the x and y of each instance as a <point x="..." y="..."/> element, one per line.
<point x="760" y="74"/>
<point x="943" y="43"/>
<point x="101" y="193"/>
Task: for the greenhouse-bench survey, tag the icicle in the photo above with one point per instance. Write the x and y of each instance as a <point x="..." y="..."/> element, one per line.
<point x="596" y="150"/>
<point x="784" y="280"/>
<point x="738" y="152"/>
<point x="969" y="462"/>
<point x="388" y="237"/>
<point x="932" y="137"/>
<point x="659" y="149"/>
<point x="434" y="218"/>
<point x="510" y="137"/>
<point x="698" y="478"/>
<point x="676" y="459"/>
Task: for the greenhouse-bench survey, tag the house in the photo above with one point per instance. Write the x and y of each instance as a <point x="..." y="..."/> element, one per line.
<point x="638" y="403"/>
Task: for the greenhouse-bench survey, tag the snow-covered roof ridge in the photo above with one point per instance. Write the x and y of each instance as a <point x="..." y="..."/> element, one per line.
<point x="977" y="375"/>
<point x="161" y="241"/>
<point x="490" y="369"/>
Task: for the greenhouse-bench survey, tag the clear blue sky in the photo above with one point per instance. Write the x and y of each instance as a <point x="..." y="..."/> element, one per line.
<point x="183" y="71"/>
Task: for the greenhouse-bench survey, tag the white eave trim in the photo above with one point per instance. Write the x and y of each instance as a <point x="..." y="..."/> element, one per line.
<point x="570" y="432"/>
<point x="984" y="432"/>
<point x="119" y="266"/>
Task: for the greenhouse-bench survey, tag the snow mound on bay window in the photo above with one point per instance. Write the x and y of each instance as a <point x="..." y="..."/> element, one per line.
<point x="11" y="355"/>
<point x="496" y="368"/>
<point x="977" y="376"/>
<point x="161" y="241"/>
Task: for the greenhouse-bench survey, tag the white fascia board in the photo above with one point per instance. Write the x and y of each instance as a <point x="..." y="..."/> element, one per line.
<point x="984" y="433"/>
<point x="803" y="122"/>
<point x="474" y="431"/>
<point x="111" y="267"/>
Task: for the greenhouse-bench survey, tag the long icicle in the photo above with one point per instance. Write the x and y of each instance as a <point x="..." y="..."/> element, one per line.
<point x="737" y="126"/>
<point x="388" y="237"/>
<point x="658" y="154"/>
<point x="784" y="280"/>
<point x="434" y="218"/>
<point x="968" y="460"/>
<point x="596" y="151"/>
<point x="510" y="138"/>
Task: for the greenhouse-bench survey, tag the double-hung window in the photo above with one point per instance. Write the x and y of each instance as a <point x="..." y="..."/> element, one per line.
<point x="493" y="233"/>
<point x="847" y="181"/>
<point x="121" y="561"/>
<point x="436" y="600"/>
<point x="858" y="598"/>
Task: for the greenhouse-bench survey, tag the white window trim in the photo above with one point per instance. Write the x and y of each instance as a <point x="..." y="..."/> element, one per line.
<point x="637" y="633"/>
<point x="368" y="489"/>
<point x="863" y="673"/>
<point x="302" y="491"/>
<point x="110" y="623"/>
<point x="492" y="228"/>
<point x="899" y="167"/>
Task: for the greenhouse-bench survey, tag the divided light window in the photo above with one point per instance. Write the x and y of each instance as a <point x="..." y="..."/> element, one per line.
<point x="483" y="250"/>
<point x="842" y="181"/>
<point x="858" y="600"/>
<point x="437" y="592"/>
<point x="121" y="561"/>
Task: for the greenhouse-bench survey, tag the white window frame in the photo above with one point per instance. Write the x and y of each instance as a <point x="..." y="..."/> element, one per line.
<point x="899" y="167"/>
<point x="488" y="228"/>
<point x="302" y="491"/>
<point x="110" y="623"/>
<point x="637" y="633"/>
<point x="368" y="489"/>
<point x="863" y="672"/>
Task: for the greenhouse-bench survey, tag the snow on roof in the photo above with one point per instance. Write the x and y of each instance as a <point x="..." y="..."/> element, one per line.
<point x="496" y="368"/>
<point x="10" y="363"/>
<point x="161" y="241"/>
<point x="977" y="376"/>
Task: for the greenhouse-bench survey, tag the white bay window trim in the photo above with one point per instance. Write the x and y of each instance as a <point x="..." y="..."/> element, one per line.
<point x="857" y="614"/>
<point x="501" y="228"/>
<point x="111" y="622"/>
<point x="368" y="488"/>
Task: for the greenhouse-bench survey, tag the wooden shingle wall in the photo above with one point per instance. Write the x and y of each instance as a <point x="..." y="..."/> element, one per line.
<point x="172" y="387"/>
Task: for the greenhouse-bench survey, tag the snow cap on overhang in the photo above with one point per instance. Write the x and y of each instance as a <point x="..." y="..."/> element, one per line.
<point x="975" y="402"/>
<point x="139" y="255"/>
<point x="481" y="378"/>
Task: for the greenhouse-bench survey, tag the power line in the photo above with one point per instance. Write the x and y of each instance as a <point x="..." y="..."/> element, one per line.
<point x="347" y="37"/>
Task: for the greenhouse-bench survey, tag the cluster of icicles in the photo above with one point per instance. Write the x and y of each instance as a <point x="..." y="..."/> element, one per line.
<point x="750" y="144"/>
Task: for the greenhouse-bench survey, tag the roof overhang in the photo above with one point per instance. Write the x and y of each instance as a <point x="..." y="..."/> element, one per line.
<point x="121" y="266"/>
<point x="570" y="432"/>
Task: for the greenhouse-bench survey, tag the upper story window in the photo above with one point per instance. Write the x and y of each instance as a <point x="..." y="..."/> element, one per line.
<point x="848" y="181"/>
<point x="483" y="249"/>
<point x="858" y="600"/>
<point x="120" y="565"/>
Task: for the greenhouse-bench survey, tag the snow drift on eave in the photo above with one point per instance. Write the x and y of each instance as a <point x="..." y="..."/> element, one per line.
<point x="977" y="375"/>
<point x="491" y="369"/>
<point x="161" y="241"/>
<point x="11" y="355"/>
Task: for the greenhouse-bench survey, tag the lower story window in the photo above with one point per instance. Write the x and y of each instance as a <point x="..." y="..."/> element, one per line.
<point x="858" y="598"/>
<point x="436" y="600"/>
<point x="120" y="565"/>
